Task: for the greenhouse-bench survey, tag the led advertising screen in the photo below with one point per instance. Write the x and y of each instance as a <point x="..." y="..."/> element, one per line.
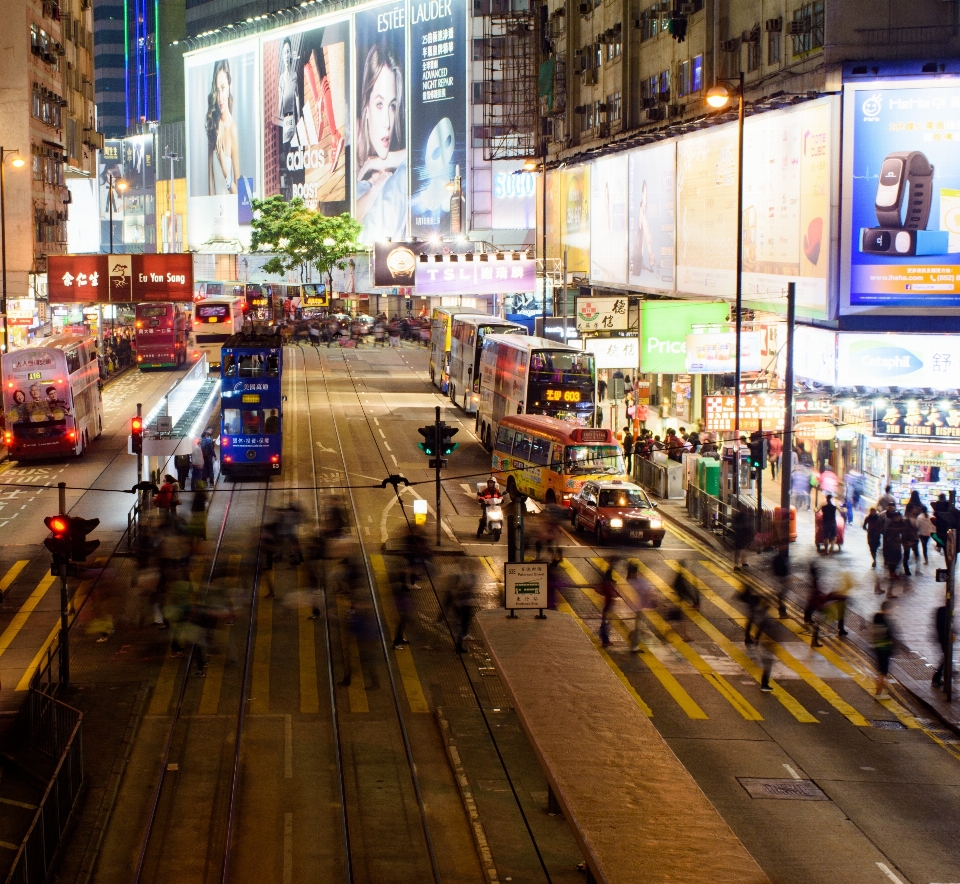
<point x="901" y="206"/>
<point x="652" y="197"/>
<point x="306" y="117"/>
<point x="438" y="92"/>
<point x="514" y="196"/>
<point x="223" y="125"/>
<point x="608" y="220"/>
<point x="381" y="171"/>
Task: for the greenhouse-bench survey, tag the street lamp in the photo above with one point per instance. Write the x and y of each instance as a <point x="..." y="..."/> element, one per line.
<point x="718" y="97"/>
<point x="531" y="165"/>
<point x="113" y="182"/>
<point x="17" y="162"/>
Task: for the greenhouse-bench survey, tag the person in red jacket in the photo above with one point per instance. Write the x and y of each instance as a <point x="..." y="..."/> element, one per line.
<point x="774" y="452"/>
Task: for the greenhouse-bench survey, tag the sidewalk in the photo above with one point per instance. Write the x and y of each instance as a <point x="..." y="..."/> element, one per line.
<point x="915" y="598"/>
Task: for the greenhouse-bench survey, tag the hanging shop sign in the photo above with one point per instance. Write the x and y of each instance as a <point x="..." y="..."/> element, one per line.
<point x="498" y="275"/>
<point x="768" y="408"/>
<point x="918" y="420"/>
<point x="614" y="352"/>
<point x="664" y="329"/>
<point x="911" y="361"/>
<point x="101" y="279"/>
<point x="602" y="314"/>
<point x="716" y="352"/>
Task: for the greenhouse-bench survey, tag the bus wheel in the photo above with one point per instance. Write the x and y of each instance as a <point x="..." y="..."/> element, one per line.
<point x="511" y="488"/>
<point x="489" y="442"/>
<point x="551" y="497"/>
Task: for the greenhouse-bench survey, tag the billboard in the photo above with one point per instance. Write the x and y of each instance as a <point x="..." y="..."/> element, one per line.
<point x="901" y="206"/>
<point x="223" y="126"/>
<point x="664" y="326"/>
<point x="139" y="166"/>
<point x="381" y="169"/>
<point x="652" y="211"/>
<point x="898" y="360"/>
<point x="91" y="279"/>
<point x="438" y="92"/>
<point x="514" y="196"/>
<point x="306" y="117"/>
<point x="715" y="352"/>
<point x="499" y="275"/>
<point x="608" y="220"/>
<point x="568" y="205"/>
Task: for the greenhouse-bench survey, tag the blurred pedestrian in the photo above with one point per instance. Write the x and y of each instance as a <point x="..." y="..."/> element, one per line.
<point x="892" y="533"/>
<point x="828" y="524"/>
<point x="873" y="525"/>
<point x="209" y="450"/>
<point x="755" y="607"/>
<point x="781" y="570"/>
<point x="628" y="451"/>
<point x="910" y="538"/>
<point x="684" y="588"/>
<point x="765" y="642"/>
<point x="774" y="453"/>
<point x="816" y="599"/>
<point x="196" y="464"/>
<point x="181" y="463"/>
<point x="167" y="499"/>
<point x="403" y="599"/>
<point x="925" y="529"/>
<point x="882" y="642"/>
<point x="607" y="590"/>
<point x="467" y="602"/>
<point x="943" y="631"/>
<point x="646" y="600"/>
<point x="743" y="534"/>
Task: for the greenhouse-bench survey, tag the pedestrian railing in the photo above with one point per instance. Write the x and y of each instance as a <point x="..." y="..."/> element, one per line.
<point x="662" y="480"/>
<point x="55" y="729"/>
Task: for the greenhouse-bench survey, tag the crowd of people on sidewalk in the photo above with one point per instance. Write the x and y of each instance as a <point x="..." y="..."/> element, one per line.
<point x="343" y="331"/>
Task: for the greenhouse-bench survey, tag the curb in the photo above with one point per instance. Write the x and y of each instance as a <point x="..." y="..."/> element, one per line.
<point x="469" y="804"/>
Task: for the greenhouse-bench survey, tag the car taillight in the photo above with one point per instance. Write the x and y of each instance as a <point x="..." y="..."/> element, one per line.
<point x="275" y="458"/>
<point x="72" y="434"/>
<point x="228" y="459"/>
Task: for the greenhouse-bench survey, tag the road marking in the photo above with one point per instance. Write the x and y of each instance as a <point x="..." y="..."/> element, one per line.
<point x="13" y="803"/>
<point x="728" y="647"/>
<point x="386" y="445"/>
<point x="792" y="772"/>
<point x="466" y="488"/>
<point x="20" y="618"/>
<point x="565" y="608"/>
<point x="488" y="564"/>
<point x="356" y="690"/>
<point x="287" y="848"/>
<point x="669" y="634"/>
<point x="11" y="575"/>
<point x="287" y="747"/>
<point x="260" y="683"/>
<point x="394" y="460"/>
<point x="888" y="873"/>
<point x="382" y="433"/>
<point x="166" y="681"/>
<point x="781" y="653"/>
<point x="408" y="670"/>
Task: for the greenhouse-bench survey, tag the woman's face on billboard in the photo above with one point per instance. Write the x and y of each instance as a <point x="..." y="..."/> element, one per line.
<point x="382" y="112"/>
<point x="223" y="93"/>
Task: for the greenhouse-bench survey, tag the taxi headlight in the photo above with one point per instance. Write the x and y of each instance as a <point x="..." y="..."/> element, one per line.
<point x="656" y="523"/>
<point x="616" y="523"/>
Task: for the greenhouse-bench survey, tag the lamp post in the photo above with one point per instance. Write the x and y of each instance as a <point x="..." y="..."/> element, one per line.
<point x="718" y="97"/>
<point x="113" y="182"/>
<point x="530" y="165"/>
<point x="17" y="162"/>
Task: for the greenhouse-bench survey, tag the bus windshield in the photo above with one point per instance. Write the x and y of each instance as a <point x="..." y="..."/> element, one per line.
<point x="151" y="311"/>
<point x="624" y="497"/>
<point x="582" y="459"/>
<point x="560" y="366"/>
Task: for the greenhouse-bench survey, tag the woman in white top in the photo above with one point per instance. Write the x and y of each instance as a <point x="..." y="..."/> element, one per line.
<point x="223" y="141"/>
<point x="925" y="528"/>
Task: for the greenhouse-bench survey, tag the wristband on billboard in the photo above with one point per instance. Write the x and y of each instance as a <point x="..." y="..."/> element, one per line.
<point x="900" y="169"/>
<point x="902" y="241"/>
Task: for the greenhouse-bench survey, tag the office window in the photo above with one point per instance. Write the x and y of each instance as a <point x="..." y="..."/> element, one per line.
<point x="774" y="47"/>
<point x="696" y="75"/>
<point x="665" y="85"/>
<point x="683" y="78"/>
<point x="811" y="19"/>
<point x="614" y="107"/>
<point x="753" y="56"/>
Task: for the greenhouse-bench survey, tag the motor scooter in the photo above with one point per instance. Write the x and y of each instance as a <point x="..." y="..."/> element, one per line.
<point x="493" y="508"/>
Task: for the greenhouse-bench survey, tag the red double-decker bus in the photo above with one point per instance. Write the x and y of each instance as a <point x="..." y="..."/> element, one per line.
<point x="161" y="335"/>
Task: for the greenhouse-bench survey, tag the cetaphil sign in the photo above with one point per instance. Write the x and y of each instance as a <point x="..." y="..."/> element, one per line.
<point x="664" y="329"/>
<point x="911" y="361"/>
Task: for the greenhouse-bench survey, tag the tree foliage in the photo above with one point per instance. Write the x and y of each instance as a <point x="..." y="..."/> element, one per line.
<point x="301" y="237"/>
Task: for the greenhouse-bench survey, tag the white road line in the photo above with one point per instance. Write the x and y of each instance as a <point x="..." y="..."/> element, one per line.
<point x="382" y="433"/>
<point x="386" y="445"/>
<point x="888" y="873"/>
<point x="792" y="772"/>
<point x="376" y="422"/>
<point x="287" y="747"/>
<point x="574" y="539"/>
<point x="394" y="460"/>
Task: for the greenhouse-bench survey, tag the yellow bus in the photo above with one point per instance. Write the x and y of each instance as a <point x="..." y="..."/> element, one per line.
<point x="441" y="324"/>
<point x="549" y="459"/>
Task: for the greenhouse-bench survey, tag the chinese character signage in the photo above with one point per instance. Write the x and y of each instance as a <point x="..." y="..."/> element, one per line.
<point x="119" y="279"/>
<point x="602" y="314"/>
<point x="898" y="360"/>
<point x="78" y="279"/>
<point x="919" y="420"/>
<point x="901" y="201"/>
<point x="525" y="585"/>
<point x="766" y="407"/>
<point x="495" y="276"/>
<point x="615" y="352"/>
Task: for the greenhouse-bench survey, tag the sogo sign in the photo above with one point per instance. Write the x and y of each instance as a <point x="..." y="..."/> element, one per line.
<point x="664" y="329"/>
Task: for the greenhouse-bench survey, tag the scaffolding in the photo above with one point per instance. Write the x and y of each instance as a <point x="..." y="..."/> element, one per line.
<point x="511" y="112"/>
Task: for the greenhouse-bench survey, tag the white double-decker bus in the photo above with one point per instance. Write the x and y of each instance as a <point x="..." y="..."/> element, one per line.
<point x="466" y="344"/>
<point x="528" y="375"/>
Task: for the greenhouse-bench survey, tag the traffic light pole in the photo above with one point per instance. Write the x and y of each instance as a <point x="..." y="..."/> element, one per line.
<point x="139" y="456"/>
<point x="439" y="460"/>
<point x="760" y="480"/>
<point x="64" y="602"/>
<point x="950" y="603"/>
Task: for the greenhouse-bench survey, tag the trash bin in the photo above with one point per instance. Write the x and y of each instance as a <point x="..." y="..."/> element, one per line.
<point x="779" y="520"/>
<point x="711" y="477"/>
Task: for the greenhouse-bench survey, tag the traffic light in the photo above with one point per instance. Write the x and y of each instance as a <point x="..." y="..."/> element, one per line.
<point x="59" y="540"/>
<point x="447" y="445"/>
<point x="429" y="444"/>
<point x="758" y="451"/>
<point x="80" y="547"/>
<point x="136" y="434"/>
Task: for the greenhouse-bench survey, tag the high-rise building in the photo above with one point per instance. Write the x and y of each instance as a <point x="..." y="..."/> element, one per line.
<point x="206" y="15"/>
<point x="47" y="116"/>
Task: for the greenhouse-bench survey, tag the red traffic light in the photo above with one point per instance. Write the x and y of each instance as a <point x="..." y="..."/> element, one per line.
<point x="57" y="524"/>
<point x="136" y="424"/>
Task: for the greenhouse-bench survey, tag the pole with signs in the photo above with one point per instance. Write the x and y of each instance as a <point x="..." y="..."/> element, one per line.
<point x="786" y="456"/>
<point x="525" y="587"/>
<point x="949" y="602"/>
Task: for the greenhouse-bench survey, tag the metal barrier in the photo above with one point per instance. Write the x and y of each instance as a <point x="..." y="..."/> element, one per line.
<point x="716" y="516"/>
<point x="56" y="730"/>
<point x="662" y="480"/>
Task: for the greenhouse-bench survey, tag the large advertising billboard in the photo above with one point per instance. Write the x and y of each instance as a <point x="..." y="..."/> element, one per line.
<point x="306" y="117"/>
<point x="652" y="187"/>
<point x="438" y="91"/>
<point x="901" y="206"/>
<point x="381" y="119"/>
<point x="608" y="220"/>
<point x="898" y="360"/>
<point x="223" y="134"/>
<point x="664" y="326"/>
<point x="572" y="212"/>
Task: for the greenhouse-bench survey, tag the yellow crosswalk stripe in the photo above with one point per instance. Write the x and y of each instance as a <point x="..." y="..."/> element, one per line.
<point x="26" y="609"/>
<point x="669" y="634"/>
<point x="405" y="664"/>
<point x="781" y="653"/>
<point x="11" y="575"/>
<point x="488" y="564"/>
<point x="356" y="690"/>
<point x="166" y="682"/>
<point x="729" y="648"/>
<point x="862" y="679"/>
<point x="564" y="608"/>
<point x="262" y="649"/>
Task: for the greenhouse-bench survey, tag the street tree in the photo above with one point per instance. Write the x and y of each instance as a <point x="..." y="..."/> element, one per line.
<point x="300" y="237"/>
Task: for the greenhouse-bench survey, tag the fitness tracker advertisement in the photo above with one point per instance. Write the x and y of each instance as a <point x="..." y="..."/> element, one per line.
<point x="901" y="209"/>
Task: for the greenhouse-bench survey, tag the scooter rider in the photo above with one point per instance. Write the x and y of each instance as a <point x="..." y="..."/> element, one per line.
<point x="491" y="491"/>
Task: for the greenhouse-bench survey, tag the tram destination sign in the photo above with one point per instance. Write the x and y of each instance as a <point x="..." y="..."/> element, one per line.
<point x="525" y="586"/>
